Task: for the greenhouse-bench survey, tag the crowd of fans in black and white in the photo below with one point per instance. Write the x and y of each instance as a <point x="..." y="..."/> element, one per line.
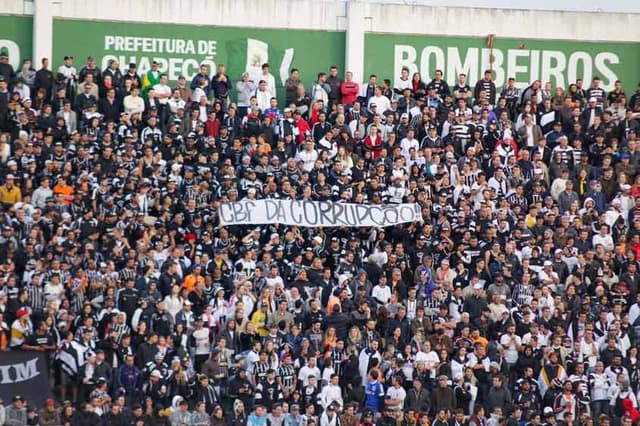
<point x="514" y="302"/>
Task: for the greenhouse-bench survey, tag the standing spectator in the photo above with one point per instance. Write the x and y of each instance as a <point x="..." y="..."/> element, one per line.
<point x="335" y="84"/>
<point x="221" y="86"/>
<point x="269" y="79"/>
<point x="28" y="75"/>
<point x="291" y="86"/>
<point x="485" y="88"/>
<point x="6" y="69"/>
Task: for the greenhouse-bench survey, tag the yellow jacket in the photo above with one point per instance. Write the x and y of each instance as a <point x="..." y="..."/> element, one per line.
<point x="259" y="319"/>
<point x="10" y="195"/>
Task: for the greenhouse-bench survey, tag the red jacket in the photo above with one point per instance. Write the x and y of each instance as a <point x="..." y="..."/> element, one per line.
<point x="629" y="410"/>
<point x="349" y="90"/>
<point x="373" y="145"/>
<point x="304" y="129"/>
<point x="212" y="128"/>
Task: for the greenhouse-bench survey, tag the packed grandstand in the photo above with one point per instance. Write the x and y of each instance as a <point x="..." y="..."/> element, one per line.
<point x="496" y="285"/>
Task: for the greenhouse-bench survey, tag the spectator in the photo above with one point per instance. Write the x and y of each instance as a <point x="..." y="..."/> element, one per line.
<point x="112" y="254"/>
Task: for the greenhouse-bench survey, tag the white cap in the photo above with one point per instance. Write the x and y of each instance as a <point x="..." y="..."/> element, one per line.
<point x="156" y="373"/>
<point x="478" y="286"/>
<point x="547" y="263"/>
<point x="593" y="99"/>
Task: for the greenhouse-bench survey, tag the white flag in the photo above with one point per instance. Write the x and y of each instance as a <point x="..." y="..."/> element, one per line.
<point x="286" y="63"/>
<point x="257" y="54"/>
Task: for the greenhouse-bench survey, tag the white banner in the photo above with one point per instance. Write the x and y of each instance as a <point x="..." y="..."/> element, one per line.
<point x="316" y="213"/>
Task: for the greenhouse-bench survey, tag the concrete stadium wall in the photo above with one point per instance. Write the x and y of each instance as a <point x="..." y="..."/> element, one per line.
<point x="503" y="22"/>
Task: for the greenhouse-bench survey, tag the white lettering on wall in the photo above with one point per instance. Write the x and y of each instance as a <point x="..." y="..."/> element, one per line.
<point x="525" y="65"/>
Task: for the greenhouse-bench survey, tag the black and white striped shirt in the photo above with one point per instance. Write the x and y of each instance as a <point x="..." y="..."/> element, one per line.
<point x="260" y="371"/>
<point x="127" y="274"/>
<point x="121" y="330"/>
<point x="336" y="357"/>
<point x="36" y="297"/>
<point x="287" y="374"/>
<point x="471" y="179"/>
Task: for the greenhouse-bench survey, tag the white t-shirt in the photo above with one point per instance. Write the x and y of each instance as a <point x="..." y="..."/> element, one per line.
<point x="381" y="294"/>
<point x="430" y="359"/>
<point x="305" y="372"/>
<point x="202" y="341"/>
<point x="382" y="102"/>
<point x="399" y="394"/>
<point x="406" y="144"/>
<point x="510" y="344"/>
<point x="163" y="89"/>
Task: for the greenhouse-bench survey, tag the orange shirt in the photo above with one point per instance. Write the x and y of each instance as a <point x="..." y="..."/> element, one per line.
<point x="65" y="190"/>
<point x="333" y="300"/>
<point x="484" y="342"/>
<point x="266" y="147"/>
<point x="191" y="280"/>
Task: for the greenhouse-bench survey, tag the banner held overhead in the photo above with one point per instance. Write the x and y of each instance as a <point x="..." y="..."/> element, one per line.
<point x="316" y="213"/>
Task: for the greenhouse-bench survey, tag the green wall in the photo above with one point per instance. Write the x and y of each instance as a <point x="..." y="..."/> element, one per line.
<point x="16" y="35"/>
<point x="560" y="62"/>
<point x="181" y="48"/>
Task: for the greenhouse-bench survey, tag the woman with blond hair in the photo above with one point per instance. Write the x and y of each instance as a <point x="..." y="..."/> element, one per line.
<point x="354" y="338"/>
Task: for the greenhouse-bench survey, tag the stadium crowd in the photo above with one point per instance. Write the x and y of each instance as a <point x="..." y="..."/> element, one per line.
<point x="513" y="303"/>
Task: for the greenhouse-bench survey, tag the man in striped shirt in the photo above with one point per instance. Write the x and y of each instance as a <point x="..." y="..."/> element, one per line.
<point x="36" y="294"/>
<point x="523" y="292"/>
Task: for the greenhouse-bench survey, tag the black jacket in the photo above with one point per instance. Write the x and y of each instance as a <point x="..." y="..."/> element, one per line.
<point x="44" y="80"/>
<point x="83" y="102"/>
<point x="110" y="110"/>
<point x="6" y="70"/>
<point x="340" y="321"/>
<point x="418" y="401"/>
